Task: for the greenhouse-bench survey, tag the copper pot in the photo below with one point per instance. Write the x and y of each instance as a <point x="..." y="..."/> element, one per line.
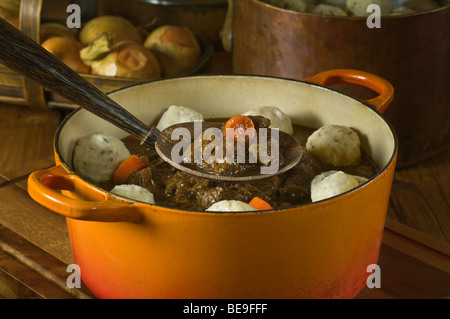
<point x="128" y="249"/>
<point x="410" y="51"/>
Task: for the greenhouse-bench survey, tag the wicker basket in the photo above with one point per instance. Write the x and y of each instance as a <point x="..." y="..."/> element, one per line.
<point x="15" y="89"/>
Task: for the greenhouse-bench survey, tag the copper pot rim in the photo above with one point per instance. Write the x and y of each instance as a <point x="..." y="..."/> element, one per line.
<point x="200" y="3"/>
<point x="348" y="18"/>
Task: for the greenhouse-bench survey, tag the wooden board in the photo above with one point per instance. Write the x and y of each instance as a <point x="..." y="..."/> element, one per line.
<point x="35" y="246"/>
<point x="420" y="198"/>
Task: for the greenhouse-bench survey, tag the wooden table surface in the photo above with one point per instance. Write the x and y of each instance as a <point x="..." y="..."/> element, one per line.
<point x="35" y="248"/>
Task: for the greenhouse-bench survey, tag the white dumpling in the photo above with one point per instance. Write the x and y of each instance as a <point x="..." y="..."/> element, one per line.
<point x="332" y="183"/>
<point x="295" y="5"/>
<point x="335" y="145"/>
<point x="421" y="5"/>
<point x="96" y="156"/>
<point x="402" y="10"/>
<point x="359" y="7"/>
<point x="230" y="206"/>
<point x="329" y="10"/>
<point x="277" y="118"/>
<point x="337" y="3"/>
<point x="135" y="192"/>
<point x="178" y="114"/>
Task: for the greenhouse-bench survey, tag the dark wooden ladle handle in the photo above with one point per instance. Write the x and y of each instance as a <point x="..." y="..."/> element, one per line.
<point x="25" y="56"/>
<point x="22" y="54"/>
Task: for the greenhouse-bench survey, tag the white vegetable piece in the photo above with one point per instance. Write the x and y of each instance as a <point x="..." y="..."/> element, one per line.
<point x="327" y="9"/>
<point x="359" y="7"/>
<point x="332" y="183"/>
<point x="402" y="10"/>
<point x="96" y="156"/>
<point x="230" y="206"/>
<point x="335" y="145"/>
<point x="421" y="5"/>
<point x="135" y="192"/>
<point x="277" y="118"/>
<point x="178" y="114"/>
<point x="337" y="3"/>
<point x="295" y="5"/>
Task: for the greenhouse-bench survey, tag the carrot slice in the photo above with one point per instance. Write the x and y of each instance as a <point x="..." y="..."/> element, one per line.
<point x="128" y="167"/>
<point x="241" y="125"/>
<point x="259" y="204"/>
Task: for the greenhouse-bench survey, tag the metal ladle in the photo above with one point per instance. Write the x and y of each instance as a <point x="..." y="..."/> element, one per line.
<point x="20" y="53"/>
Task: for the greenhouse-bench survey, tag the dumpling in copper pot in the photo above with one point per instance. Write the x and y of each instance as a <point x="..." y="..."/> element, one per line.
<point x="326" y="9"/>
<point x="295" y="5"/>
<point x="359" y="7"/>
<point x="337" y="3"/>
<point x="335" y="145"/>
<point x="402" y="10"/>
<point x="421" y="5"/>
<point x="96" y="156"/>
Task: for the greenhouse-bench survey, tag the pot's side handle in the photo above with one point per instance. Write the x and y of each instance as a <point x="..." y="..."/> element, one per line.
<point x="46" y="186"/>
<point x="384" y="89"/>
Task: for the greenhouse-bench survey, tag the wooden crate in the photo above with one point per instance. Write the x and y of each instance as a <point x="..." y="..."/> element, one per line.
<point x="15" y="89"/>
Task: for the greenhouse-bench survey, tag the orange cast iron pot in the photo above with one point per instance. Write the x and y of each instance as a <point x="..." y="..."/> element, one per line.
<point x="128" y="249"/>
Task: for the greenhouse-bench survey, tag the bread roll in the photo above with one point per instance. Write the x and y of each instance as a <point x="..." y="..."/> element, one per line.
<point x="128" y="60"/>
<point x="119" y="28"/>
<point x="176" y="48"/>
<point x="67" y="49"/>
